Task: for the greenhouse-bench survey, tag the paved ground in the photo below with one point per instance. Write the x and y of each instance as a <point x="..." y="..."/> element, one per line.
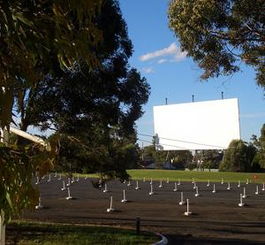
<point x="215" y="215"/>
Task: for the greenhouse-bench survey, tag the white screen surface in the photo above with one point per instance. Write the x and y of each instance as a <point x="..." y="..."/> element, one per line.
<point x="198" y="125"/>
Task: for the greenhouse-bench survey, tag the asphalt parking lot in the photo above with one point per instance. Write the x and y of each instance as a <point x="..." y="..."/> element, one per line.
<point x="214" y="215"/>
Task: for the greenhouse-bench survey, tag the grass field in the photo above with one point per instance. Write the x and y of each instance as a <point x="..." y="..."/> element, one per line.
<point x="24" y="233"/>
<point x="174" y="175"/>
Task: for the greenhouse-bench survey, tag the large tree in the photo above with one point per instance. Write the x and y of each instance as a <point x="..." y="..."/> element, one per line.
<point x="262" y="147"/>
<point x="259" y="144"/>
<point x="36" y="38"/>
<point x="97" y="107"/>
<point x="48" y="50"/>
<point x="220" y="34"/>
<point x="111" y="92"/>
<point x="238" y="157"/>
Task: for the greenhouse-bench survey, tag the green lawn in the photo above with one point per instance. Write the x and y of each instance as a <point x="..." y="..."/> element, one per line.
<point x="174" y="175"/>
<point x="24" y="233"/>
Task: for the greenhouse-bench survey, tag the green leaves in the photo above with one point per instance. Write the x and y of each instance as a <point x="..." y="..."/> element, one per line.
<point x="238" y="157"/>
<point x="65" y="64"/>
<point x="220" y="34"/>
<point x="260" y="144"/>
<point x="16" y="168"/>
<point x="36" y="37"/>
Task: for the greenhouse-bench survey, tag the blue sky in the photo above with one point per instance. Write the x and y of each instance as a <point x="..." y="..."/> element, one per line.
<point x="173" y="76"/>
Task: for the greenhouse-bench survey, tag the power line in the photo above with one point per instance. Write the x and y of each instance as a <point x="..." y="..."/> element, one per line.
<point x="183" y="141"/>
<point x="178" y="147"/>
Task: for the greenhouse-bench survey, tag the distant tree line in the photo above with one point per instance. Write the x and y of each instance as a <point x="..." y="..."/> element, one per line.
<point x="245" y="157"/>
<point x="240" y="156"/>
<point x="177" y="159"/>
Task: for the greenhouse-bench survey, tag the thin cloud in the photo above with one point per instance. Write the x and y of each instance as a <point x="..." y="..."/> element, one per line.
<point x="161" y="61"/>
<point x="148" y="70"/>
<point x="171" y="51"/>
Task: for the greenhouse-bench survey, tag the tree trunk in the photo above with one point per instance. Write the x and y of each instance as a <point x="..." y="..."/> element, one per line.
<point x="23" y="126"/>
<point x="2" y="229"/>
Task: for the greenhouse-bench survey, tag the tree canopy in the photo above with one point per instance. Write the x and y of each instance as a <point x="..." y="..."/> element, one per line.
<point x="238" y="157"/>
<point x="95" y="107"/>
<point x="38" y="37"/>
<point x="220" y="34"/>
<point x="48" y="79"/>
<point x="259" y="144"/>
